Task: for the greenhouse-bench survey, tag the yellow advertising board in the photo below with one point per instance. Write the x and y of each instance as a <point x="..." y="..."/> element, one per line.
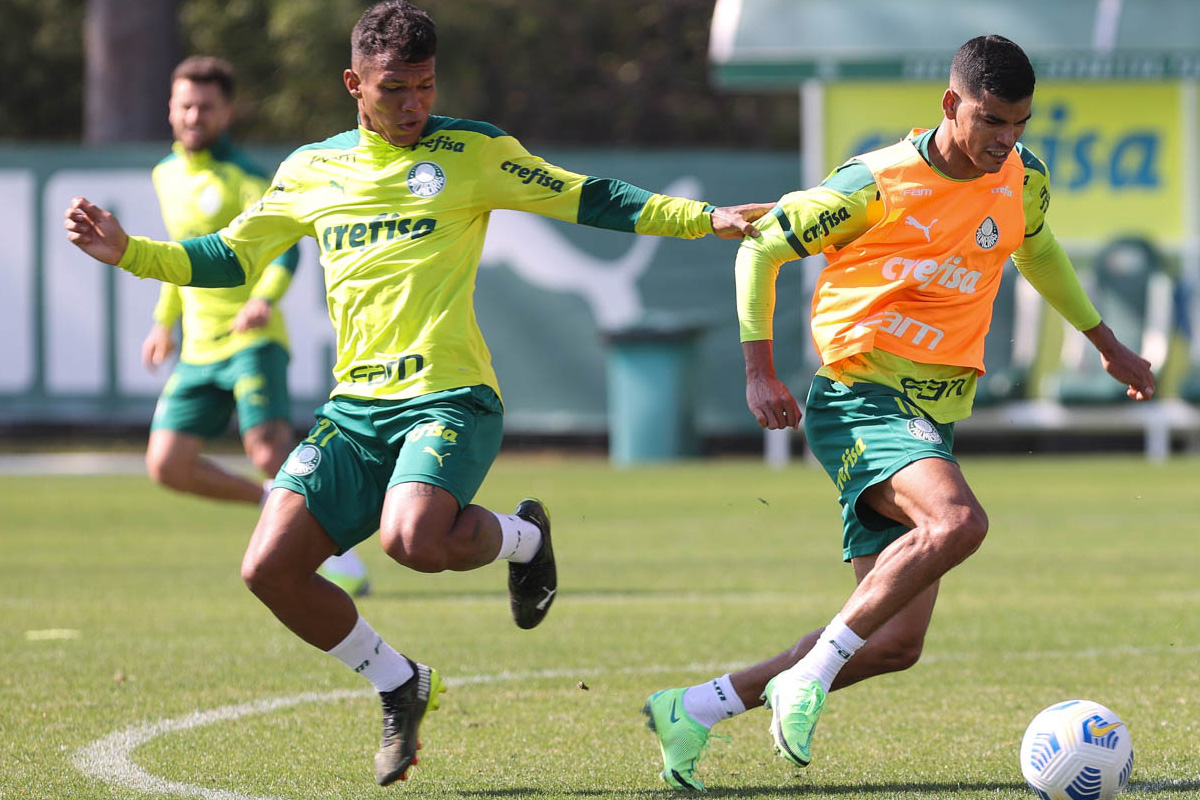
<point x="1114" y="150"/>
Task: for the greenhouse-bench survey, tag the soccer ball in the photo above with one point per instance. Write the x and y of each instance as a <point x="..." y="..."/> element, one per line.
<point x="1077" y="750"/>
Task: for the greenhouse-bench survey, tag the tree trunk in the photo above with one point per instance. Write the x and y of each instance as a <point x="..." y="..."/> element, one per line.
<point x="131" y="46"/>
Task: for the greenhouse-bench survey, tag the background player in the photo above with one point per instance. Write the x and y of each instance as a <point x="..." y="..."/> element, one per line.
<point x="916" y="236"/>
<point x="234" y="341"/>
<point x="399" y="208"/>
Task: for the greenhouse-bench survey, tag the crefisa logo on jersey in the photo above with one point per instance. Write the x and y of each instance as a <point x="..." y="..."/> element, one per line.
<point x="426" y="179"/>
<point x="920" y="428"/>
<point x="987" y="234"/>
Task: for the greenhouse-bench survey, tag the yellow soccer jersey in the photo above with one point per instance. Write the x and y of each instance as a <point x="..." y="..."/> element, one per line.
<point x="400" y="232"/>
<point x="199" y="194"/>
<point x="840" y="210"/>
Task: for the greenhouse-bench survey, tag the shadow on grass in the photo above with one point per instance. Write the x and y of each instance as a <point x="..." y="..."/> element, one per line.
<point x="824" y="790"/>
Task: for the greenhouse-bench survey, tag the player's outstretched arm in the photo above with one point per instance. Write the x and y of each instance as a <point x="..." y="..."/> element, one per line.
<point x="734" y="222"/>
<point x="1122" y="363"/>
<point x="95" y="231"/>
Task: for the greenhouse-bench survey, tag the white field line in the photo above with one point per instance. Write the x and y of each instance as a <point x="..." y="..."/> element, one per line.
<point x="110" y="759"/>
<point x="94" y="463"/>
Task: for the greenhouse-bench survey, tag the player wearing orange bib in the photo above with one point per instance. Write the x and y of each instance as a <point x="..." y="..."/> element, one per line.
<point x="916" y="236"/>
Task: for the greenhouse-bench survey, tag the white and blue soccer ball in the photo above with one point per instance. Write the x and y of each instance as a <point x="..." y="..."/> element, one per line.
<point x="1077" y="750"/>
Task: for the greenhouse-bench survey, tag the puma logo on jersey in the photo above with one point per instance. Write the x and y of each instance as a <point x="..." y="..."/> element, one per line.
<point x="923" y="228"/>
<point x="441" y="457"/>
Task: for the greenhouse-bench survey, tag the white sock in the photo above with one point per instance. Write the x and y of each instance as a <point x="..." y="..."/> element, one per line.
<point x="831" y="652"/>
<point x="369" y="655"/>
<point x="268" y="484"/>
<point x="521" y="539"/>
<point x="348" y="564"/>
<point x="709" y="703"/>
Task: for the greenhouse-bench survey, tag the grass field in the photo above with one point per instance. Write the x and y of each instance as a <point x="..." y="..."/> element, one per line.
<point x="133" y="663"/>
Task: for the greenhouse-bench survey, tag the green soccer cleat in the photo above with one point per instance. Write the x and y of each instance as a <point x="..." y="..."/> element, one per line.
<point x="682" y="740"/>
<point x="795" y="708"/>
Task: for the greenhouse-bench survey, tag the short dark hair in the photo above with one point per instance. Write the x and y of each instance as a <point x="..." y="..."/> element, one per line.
<point x="207" y="69"/>
<point x="395" y="27"/>
<point x="995" y="65"/>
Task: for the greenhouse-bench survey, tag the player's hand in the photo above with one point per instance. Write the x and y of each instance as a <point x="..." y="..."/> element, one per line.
<point x="734" y="222"/>
<point x="768" y="398"/>
<point x="1132" y="370"/>
<point x="254" y="314"/>
<point x="95" y="231"/>
<point x="1122" y="363"/>
<point x="772" y="404"/>
<point x="158" y="347"/>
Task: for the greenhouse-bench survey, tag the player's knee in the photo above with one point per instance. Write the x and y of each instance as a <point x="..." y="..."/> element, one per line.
<point x="166" y="471"/>
<point x="960" y="531"/>
<point x="893" y="653"/>
<point x="898" y="657"/>
<point x="422" y="553"/>
<point x="257" y="576"/>
<point x="264" y="579"/>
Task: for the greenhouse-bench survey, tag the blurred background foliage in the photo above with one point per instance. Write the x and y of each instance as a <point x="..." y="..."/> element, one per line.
<point x="588" y="72"/>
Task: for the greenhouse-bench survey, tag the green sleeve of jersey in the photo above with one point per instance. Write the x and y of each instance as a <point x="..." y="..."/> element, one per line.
<point x="214" y="263"/>
<point x="612" y="204"/>
<point x="523" y="182"/>
<point x="1045" y="264"/>
<point x="162" y="261"/>
<point x="273" y="284"/>
<point x="169" y="308"/>
<point x="288" y="259"/>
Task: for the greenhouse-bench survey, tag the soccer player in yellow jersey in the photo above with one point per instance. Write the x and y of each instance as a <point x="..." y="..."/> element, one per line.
<point x="234" y="341"/>
<point x="235" y="348"/>
<point x="916" y="236"/>
<point x="399" y="208"/>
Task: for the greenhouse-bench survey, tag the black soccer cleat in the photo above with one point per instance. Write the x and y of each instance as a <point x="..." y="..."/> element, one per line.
<point x="532" y="586"/>
<point x="403" y="709"/>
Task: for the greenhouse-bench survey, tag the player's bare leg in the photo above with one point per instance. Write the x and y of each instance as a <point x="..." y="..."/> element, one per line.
<point x="280" y="568"/>
<point x="175" y="460"/>
<point x="946" y="523"/>
<point x="948" y="513"/>
<point x="894" y="647"/>
<point x="268" y="446"/>
<point x="423" y="528"/>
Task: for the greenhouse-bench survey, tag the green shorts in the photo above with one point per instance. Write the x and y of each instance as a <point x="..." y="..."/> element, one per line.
<point x="200" y="398"/>
<point x="361" y="448"/>
<point x="864" y="434"/>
